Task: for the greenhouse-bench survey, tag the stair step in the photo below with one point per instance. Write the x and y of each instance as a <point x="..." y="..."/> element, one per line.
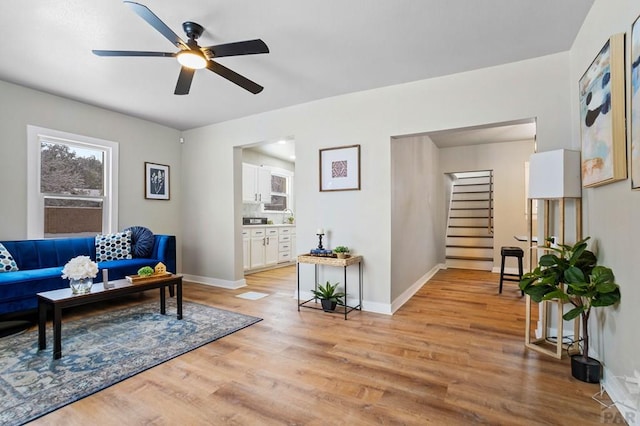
<point x="469" y="236"/>
<point x="474" y="199"/>
<point x="470" y="208"/>
<point x="469" y="217"/>
<point x="471" y="247"/>
<point x="467" y="226"/>
<point x="472" y="192"/>
<point x="484" y="259"/>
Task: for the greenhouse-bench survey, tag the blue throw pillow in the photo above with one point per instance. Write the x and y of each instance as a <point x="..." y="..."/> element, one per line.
<point x="142" y="240"/>
<point x="7" y="264"/>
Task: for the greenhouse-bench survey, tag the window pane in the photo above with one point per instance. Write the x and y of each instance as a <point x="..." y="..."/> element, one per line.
<point x="65" y="169"/>
<point x="278" y="184"/>
<point x="278" y="202"/>
<point x="77" y="217"/>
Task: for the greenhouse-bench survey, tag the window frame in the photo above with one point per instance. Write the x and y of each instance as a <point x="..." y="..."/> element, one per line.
<point x="288" y="175"/>
<point x="35" y="198"/>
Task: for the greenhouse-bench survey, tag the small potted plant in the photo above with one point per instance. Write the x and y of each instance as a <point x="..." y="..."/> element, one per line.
<point x="329" y="296"/>
<point x="342" y="252"/>
<point x="570" y="274"/>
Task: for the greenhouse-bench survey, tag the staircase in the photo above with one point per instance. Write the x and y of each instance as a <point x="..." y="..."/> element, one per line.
<point x="470" y="224"/>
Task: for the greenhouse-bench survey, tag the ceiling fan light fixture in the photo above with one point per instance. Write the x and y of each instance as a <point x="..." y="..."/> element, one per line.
<point x="193" y="59"/>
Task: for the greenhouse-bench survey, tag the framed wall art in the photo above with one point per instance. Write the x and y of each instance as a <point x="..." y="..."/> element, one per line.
<point x="602" y="116"/>
<point x="635" y="104"/>
<point x="156" y="181"/>
<point x="340" y="168"/>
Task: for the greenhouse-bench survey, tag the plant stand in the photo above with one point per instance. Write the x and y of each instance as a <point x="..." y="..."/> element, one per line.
<point x="330" y="261"/>
<point x="545" y="344"/>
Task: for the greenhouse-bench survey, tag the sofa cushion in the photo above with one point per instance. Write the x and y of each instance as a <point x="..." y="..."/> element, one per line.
<point x="7" y="263"/>
<point x="142" y="241"/>
<point x="113" y="246"/>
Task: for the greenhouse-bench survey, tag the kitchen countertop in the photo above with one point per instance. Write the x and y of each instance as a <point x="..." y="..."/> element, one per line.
<point x="257" y="225"/>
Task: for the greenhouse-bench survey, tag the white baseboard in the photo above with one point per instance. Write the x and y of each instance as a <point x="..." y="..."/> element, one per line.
<point x="215" y="282"/>
<point x="625" y="395"/>
<point x="408" y="293"/>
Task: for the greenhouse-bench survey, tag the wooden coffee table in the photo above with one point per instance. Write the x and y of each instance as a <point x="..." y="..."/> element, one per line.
<point x="63" y="298"/>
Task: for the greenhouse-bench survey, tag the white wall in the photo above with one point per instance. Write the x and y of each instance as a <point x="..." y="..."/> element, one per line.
<point x="507" y="160"/>
<point x="360" y="219"/>
<point x="417" y="219"/>
<point x="611" y="211"/>
<point x="139" y="141"/>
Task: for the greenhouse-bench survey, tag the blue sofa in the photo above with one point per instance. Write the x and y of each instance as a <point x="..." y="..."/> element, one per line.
<point x="41" y="262"/>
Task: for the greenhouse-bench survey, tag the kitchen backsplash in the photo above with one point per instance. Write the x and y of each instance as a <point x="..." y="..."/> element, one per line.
<point x="254" y="210"/>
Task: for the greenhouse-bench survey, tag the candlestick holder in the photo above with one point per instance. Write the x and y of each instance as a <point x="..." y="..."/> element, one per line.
<point x="320" y="241"/>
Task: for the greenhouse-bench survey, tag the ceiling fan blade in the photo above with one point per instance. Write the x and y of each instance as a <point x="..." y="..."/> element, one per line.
<point x="146" y="14"/>
<point x="184" y="81"/>
<point x="132" y="53"/>
<point x="249" y="47"/>
<point x="234" y="77"/>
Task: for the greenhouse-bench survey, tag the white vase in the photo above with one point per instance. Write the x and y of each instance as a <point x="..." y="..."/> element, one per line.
<point x="81" y="286"/>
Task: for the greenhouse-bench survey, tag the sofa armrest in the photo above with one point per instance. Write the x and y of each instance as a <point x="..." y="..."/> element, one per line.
<point x="164" y="249"/>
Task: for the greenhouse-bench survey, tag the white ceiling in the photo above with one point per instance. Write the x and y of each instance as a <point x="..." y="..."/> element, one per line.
<point x="319" y="48"/>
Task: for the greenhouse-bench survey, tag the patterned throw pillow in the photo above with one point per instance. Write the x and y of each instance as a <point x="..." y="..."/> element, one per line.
<point x="7" y="264"/>
<point x="113" y="246"/>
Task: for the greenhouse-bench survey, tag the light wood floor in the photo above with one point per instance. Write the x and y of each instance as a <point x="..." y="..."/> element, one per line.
<point x="453" y="354"/>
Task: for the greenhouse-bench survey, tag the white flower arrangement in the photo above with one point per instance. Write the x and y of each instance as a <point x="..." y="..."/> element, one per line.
<point x="80" y="267"/>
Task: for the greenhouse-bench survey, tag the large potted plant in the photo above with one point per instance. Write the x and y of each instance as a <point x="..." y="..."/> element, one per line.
<point x="329" y="296"/>
<point x="571" y="274"/>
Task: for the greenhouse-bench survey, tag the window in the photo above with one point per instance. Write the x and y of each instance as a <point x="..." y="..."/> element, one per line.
<point x="72" y="184"/>
<point x="281" y="192"/>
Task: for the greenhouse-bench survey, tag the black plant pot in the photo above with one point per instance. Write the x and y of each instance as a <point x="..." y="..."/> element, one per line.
<point x="589" y="370"/>
<point x="328" y="305"/>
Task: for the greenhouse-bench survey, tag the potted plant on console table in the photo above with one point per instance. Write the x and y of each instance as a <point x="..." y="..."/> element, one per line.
<point x="328" y="296"/>
<point x="571" y="274"/>
<point x="342" y="252"/>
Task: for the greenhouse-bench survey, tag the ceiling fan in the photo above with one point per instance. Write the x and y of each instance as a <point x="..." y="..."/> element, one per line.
<point x="191" y="56"/>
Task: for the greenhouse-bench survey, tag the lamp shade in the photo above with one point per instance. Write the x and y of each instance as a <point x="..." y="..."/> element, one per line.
<point x="555" y="174"/>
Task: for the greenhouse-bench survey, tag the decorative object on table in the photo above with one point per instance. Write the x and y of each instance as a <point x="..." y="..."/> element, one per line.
<point x="635" y="104"/>
<point x="602" y="116"/>
<point x="148" y="273"/>
<point x="342" y="252"/>
<point x="321" y="252"/>
<point x="329" y="296"/>
<point x="571" y="275"/>
<point x="145" y="271"/>
<point x="80" y="271"/>
<point x="149" y="337"/>
<point x="340" y="168"/>
<point x="156" y="181"/>
<point x="105" y="280"/>
<point x="320" y="233"/>
<point x="290" y="220"/>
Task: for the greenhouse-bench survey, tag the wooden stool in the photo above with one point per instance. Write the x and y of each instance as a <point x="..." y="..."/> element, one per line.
<point x="511" y="252"/>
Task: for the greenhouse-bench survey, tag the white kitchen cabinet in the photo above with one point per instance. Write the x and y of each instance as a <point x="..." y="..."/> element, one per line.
<point x="271" y="247"/>
<point x="246" y="249"/>
<point x="256" y="184"/>
<point x="267" y="246"/>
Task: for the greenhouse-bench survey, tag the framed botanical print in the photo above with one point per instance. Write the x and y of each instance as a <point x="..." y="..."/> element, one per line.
<point x="156" y="181"/>
<point x="602" y="116"/>
<point x="340" y="168"/>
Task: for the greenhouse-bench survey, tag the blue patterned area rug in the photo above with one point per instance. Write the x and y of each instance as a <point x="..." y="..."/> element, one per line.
<point x="99" y="351"/>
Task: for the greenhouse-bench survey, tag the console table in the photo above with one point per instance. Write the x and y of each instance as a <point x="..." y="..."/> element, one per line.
<point x="316" y="261"/>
